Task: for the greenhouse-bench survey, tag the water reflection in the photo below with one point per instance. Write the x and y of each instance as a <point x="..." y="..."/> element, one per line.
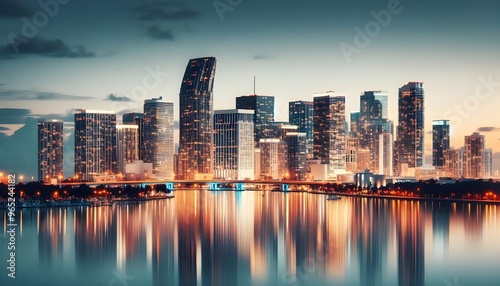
<point x="252" y="238"/>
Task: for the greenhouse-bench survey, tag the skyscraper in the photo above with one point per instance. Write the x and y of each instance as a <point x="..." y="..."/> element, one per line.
<point x="487" y="163"/>
<point x="273" y="159"/>
<point x="234" y="144"/>
<point x="354" y="123"/>
<point x="301" y="113"/>
<point x="297" y="155"/>
<point x="50" y="149"/>
<point x="474" y="149"/>
<point x="126" y="146"/>
<point x="158" y="137"/>
<point x="372" y="106"/>
<point x="95" y="143"/>
<point x="263" y="107"/>
<point x="454" y="162"/>
<point x="410" y="137"/>
<point x="440" y="141"/>
<point x="136" y="119"/>
<point x="385" y="153"/>
<point x="195" y="119"/>
<point x="329" y="131"/>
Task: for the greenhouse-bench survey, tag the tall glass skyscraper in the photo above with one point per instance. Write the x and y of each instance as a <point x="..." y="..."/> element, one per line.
<point x="196" y="152"/>
<point x="126" y="146"/>
<point x="301" y="113"/>
<point x="354" y="117"/>
<point x="297" y="155"/>
<point x="158" y="137"/>
<point x="136" y="119"/>
<point x="410" y="137"/>
<point x="473" y="157"/>
<point x="263" y="107"/>
<point x="50" y="149"/>
<point x="440" y="141"/>
<point x="329" y="131"/>
<point x="95" y="143"/>
<point x="372" y="106"/>
<point x="234" y="146"/>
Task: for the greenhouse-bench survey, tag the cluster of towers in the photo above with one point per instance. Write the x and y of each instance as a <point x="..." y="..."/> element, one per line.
<point x="316" y="142"/>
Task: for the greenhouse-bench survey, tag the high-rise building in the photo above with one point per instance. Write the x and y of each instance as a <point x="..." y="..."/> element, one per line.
<point x="354" y="123"/>
<point x="158" y="137"/>
<point x="440" y="141"/>
<point x="351" y="154"/>
<point x="454" y="160"/>
<point x="487" y="163"/>
<point x="95" y="144"/>
<point x="280" y="129"/>
<point x="136" y="119"/>
<point x="127" y="140"/>
<point x="256" y="164"/>
<point x="474" y="149"/>
<point x="234" y="144"/>
<point x="50" y="149"/>
<point x="273" y="158"/>
<point x="329" y="131"/>
<point x="372" y="106"/>
<point x="410" y="137"/>
<point x="196" y="118"/>
<point x="385" y="153"/>
<point x="301" y="113"/>
<point x="376" y="128"/>
<point x="263" y="107"/>
<point x="297" y="155"/>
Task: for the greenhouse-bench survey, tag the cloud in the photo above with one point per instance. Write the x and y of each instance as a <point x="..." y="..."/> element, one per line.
<point x="38" y="95"/>
<point x="157" y="33"/>
<point x="113" y="97"/>
<point x="13" y="9"/>
<point x="45" y="48"/>
<point x="13" y="115"/>
<point x="165" y="10"/>
<point x="487" y="129"/>
<point x="262" y="57"/>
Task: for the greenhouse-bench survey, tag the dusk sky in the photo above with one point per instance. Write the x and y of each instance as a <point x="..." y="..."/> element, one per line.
<point x="101" y="54"/>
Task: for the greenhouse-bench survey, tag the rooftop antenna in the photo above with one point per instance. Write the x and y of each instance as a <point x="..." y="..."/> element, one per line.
<point x="254" y="86"/>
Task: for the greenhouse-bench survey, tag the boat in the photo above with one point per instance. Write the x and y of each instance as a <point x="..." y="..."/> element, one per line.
<point x="333" y="198"/>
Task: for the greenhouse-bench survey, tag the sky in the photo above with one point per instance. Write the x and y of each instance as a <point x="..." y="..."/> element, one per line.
<point x="57" y="56"/>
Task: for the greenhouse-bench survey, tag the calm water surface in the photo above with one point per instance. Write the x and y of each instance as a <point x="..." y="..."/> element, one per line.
<point x="252" y="238"/>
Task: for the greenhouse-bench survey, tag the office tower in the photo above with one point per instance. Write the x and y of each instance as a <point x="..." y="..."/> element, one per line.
<point x="372" y="106"/>
<point x="363" y="156"/>
<point x="440" y="141"/>
<point x="354" y="123"/>
<point x="410" y="137"/>
<point x="454" y="159"/>
<point x="385" y="153"/>
<point x="196" y="119"/>
<point x="487" y="163"/>
<point x="95" y="144"/>
<point x="376" y="128"/>
<point x="136" y="119"/>
<point x="329" y="131"/>
<point x="234" y="144"/>
<point x="280" y="129"/>
<point x="273" y="158"/>
<point x="351" y="154"/>
<point x="297" y="155"/>
<point x="301" y="113"/>
<point x="263" y="107"/>
<point x="158" y="137"/>
<point x="474" y="148"/>
<point x="50" y="149"/>
<point x="127" y="140"/>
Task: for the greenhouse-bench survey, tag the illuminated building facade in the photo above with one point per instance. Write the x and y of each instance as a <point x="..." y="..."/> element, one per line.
<point x="410" y="131"/>
<point x="50" y="149"/>
<point x="440" y="141"/>
<point x="474" y="149"/>
<point x="196" y="119"/>
<point x="273" y="158"/>
<point x="234" y="144"/>
<point x="95" y="143"/>
<point x="297" y="155"/>
<point x="126" y="146"/>
<point x="136" y="119"/>
<point x="158" y="137"/>
<point x="301" y="114"/>
<point x="329" y="131"/>
<point x="263" y="117"/>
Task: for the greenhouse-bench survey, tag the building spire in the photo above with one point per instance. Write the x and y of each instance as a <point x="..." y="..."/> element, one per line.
<point x="254" y="86"/>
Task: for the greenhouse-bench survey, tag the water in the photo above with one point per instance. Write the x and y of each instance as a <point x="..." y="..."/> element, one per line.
<point x="252" y="238"/>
